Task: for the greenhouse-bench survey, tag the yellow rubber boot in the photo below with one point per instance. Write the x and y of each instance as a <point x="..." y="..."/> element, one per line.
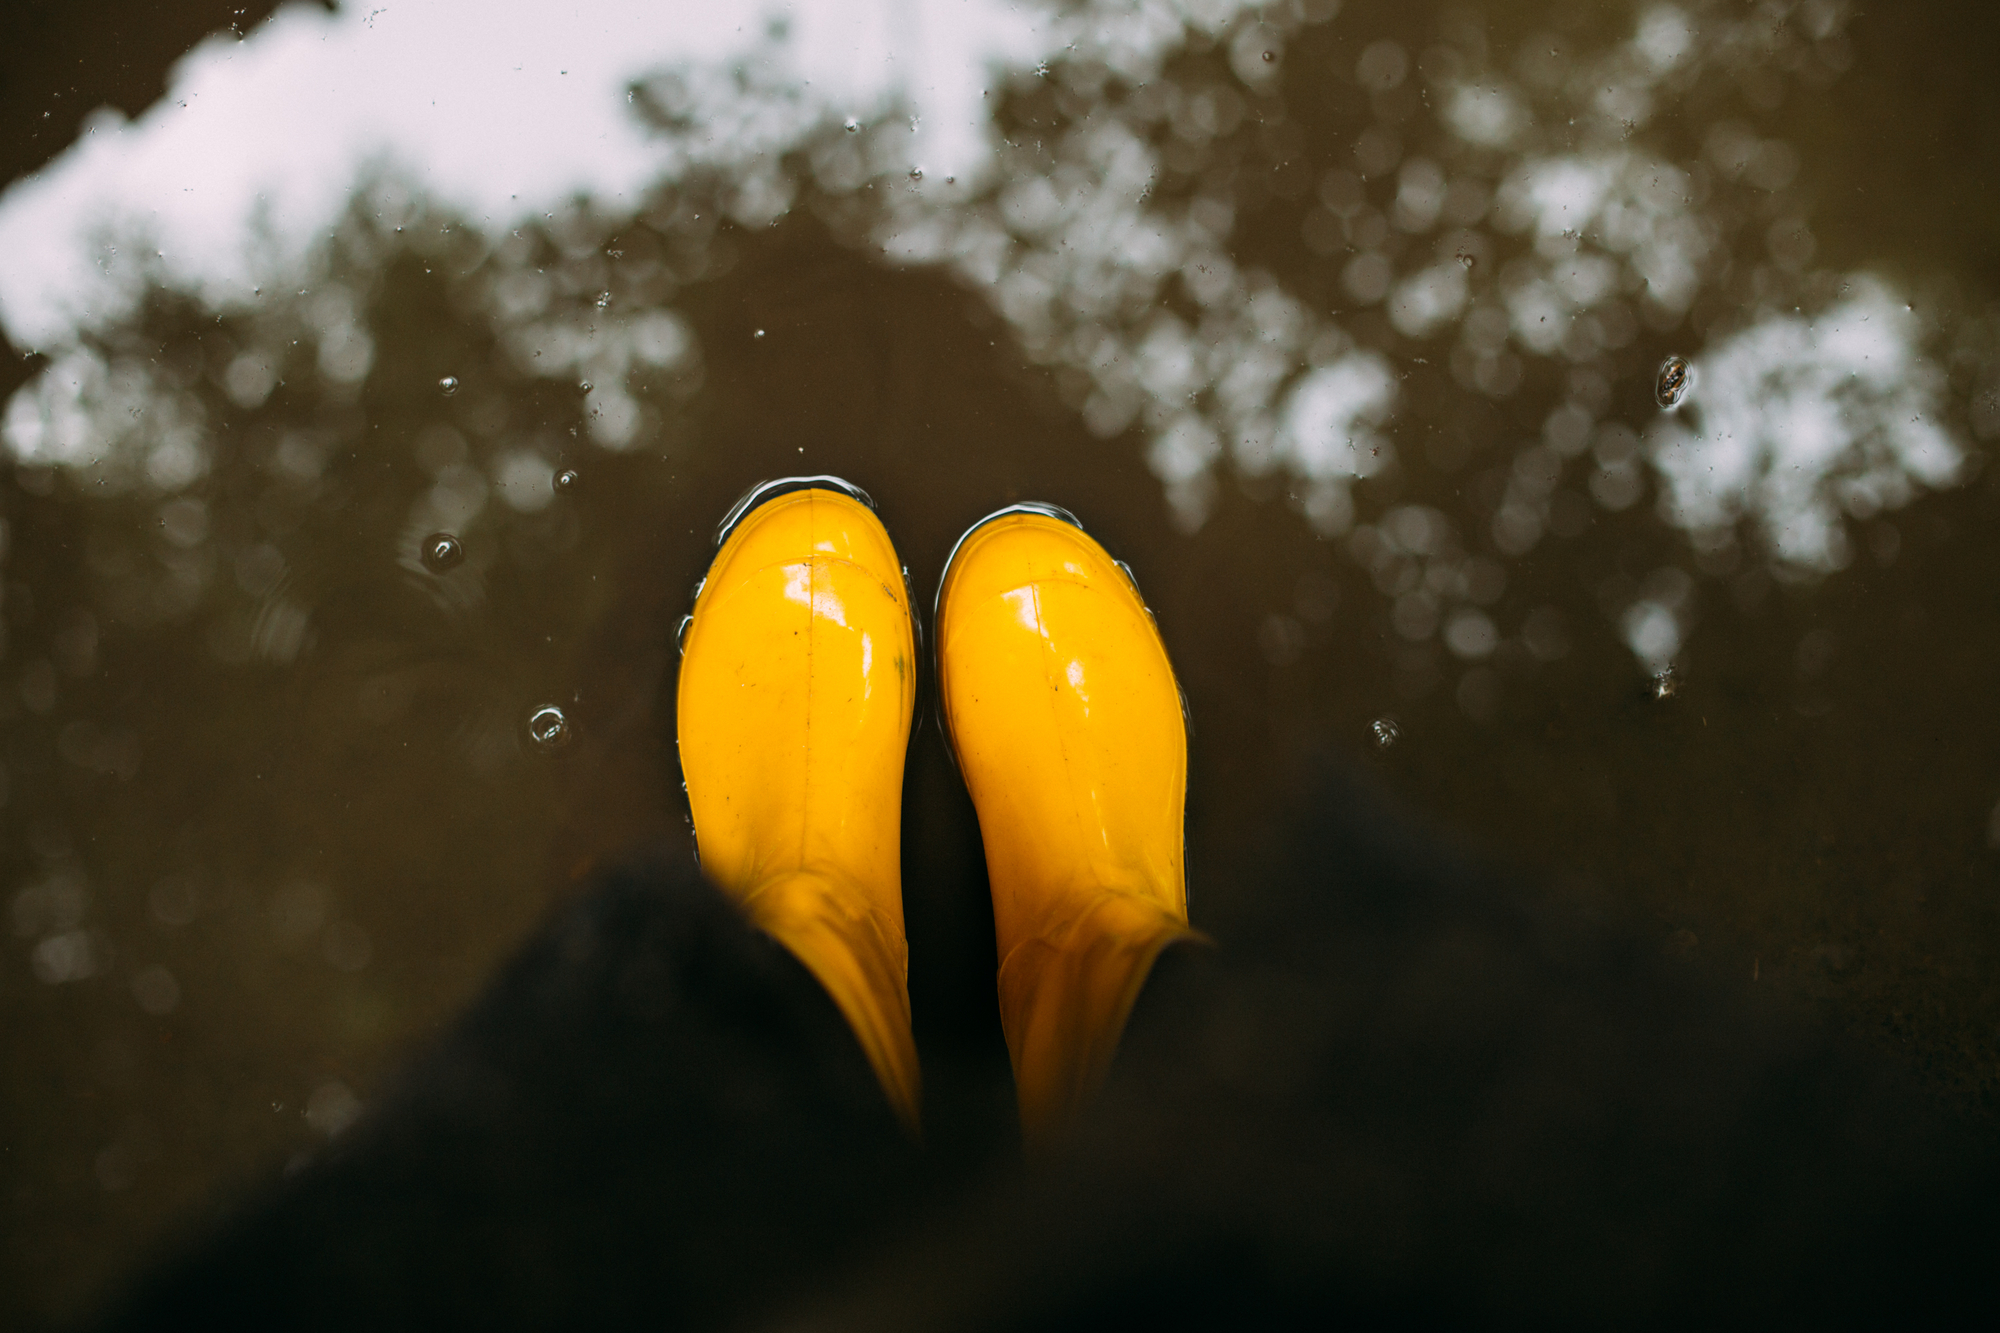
<point x="1063" y="712"/>
<point x="797" y="682"/>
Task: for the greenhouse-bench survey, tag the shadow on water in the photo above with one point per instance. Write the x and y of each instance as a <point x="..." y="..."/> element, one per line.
<point x="1273" y="319"/>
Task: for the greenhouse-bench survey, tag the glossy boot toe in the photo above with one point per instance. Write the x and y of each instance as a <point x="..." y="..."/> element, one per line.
<point x="1064" y="715"/>
<point x="797" y="684"/>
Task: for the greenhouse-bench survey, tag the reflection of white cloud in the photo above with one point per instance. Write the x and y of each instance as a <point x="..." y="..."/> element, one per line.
<point x="1181" y="457"/>
<point x="498" y="109"/>
<point x="1665" y="35"/>
<point x="1427" y="299"/>
<point x="81" y="411"/>
<point x="1329" y="432"/>
<point x="1331" y="416"/>
<point x="1652" y="634"/>
<point x="1485" y="115"/>
<point x="1798" y="419"/>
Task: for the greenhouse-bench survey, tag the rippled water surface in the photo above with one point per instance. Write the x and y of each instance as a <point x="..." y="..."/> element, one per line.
<point x="1576" y="416"/>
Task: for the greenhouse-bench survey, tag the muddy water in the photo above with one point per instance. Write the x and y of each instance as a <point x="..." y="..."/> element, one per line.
<point x="1345" y="329"/>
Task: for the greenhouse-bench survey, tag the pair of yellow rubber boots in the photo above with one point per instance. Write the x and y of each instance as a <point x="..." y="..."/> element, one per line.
<point x="798" y="681"/>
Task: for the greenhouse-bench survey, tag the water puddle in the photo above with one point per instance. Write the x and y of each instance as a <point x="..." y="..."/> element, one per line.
<point x="1515" y="403"/>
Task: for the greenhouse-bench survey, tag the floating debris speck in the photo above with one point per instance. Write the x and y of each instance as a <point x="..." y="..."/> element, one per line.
<point x="1675" y="379"/>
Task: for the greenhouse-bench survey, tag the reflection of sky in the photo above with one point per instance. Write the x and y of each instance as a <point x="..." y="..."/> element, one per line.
<point x="499" y="109"/>
<point x="1523" y="230"/>
<point x="1797" y="419"/>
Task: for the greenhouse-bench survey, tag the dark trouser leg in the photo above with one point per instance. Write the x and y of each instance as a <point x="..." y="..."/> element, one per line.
<point x="654" y="1113"/>
<point x="1399" y="1093"/>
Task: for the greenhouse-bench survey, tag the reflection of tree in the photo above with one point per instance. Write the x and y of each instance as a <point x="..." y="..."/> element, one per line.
<point x="232" y="668"/>
<point x="1215" y="232"/>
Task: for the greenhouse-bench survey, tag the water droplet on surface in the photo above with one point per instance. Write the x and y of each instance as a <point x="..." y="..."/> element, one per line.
<point x="565" y="481"/>
<point x="548" y="728"/>
<point x="442" y="552"/>
<point x="681" y="631"/>
<point x="1666" y="684"/>
<point x="852" y="125"/>
<point x="448" y="385"/>
<point x="1385" y="732"/>
<point x="1676" y="377"/>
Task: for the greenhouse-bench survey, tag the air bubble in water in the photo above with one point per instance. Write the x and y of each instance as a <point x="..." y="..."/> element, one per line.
<point x="852" y="125"/>
<point x="1385" y="732"/>
<point x="442" y="552"/>
<point x="565" y="481"/>
<point x="585" y="386"/>
<point x="1270" y="56"/>
<point x="916" y="173"/>
<point x="758" y="334"/>
<point x="449" y="385"/>
<point x="548" y="728"/>
<point x="1676" y="377"/>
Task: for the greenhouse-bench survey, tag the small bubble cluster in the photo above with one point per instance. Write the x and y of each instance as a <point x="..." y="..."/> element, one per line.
<point x="442" y="552"/>
<point x="548" y="727"/>
<point x="1384" y="732"/>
